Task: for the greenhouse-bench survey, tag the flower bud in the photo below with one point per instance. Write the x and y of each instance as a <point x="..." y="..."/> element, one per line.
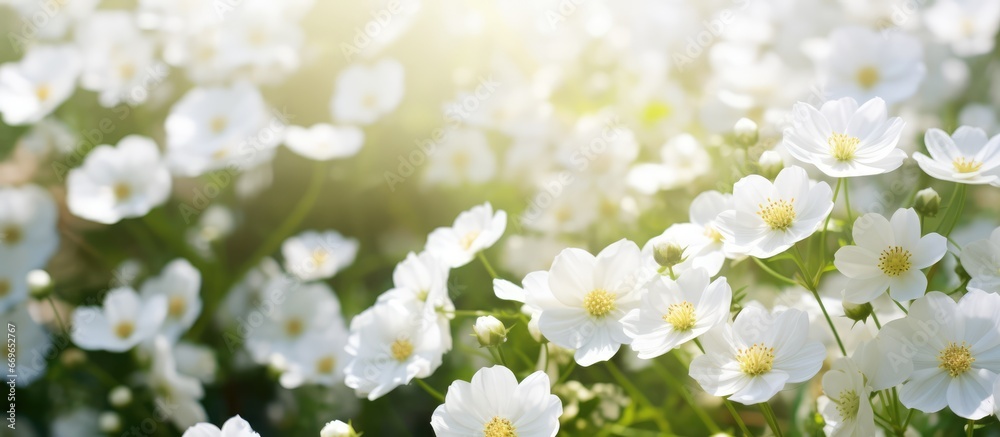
<point x="746" y="132"/>
<point x="337" y="429"/>
<point x="927" y="202"/>
<point x="489" y="331"/>
<point x="857" y="312"/>
<point x="120" y="396"/>
<point x="771" y="164"/>
<point x="109" y="422"/>
<point x="668" y="254"/>
<point x="39" y="283"/>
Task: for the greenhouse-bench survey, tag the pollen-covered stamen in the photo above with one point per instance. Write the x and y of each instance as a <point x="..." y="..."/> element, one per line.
<point x="895" y="261"/>
<point x="965" y="165"/>
<point x="756" y="359"/>
<point x="124" y="329"/>
<point x="713" y="233"/>
<point x="468" y="239"/>
<point x="11" y="235"/>
<point x="599" y="303"/>
<point x="680" y="315"/>
<point x="42" y="92"/>
<point x="867" y="77"/>
<point x="956" y="358"/>
<point x="122" y="191"/>
<point x="778" y="214"/>
<point x="401" y="349"/>
<point x="319" y="257"/>
<point x="847" y="404"/>
<point x="843" y="146"/>
<point x="499" y="427"/>
<point x="325" y="364"/>
<point x="294" y="327"/>
<point x="218" y="124"/>
<point x="176" y="306"/>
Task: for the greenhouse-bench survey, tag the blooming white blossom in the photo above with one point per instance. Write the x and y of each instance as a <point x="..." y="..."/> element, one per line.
<point x="36" y="85"/>
<point x="464" y="155"/>
<point x="845" y="407"/>
<point x="968" y="26"/>
<point x="28" y="236"/>
<point x="364" y="94"/>
<point x="180" y="284"/>
<point x="304" y="313"/>
<point x="968" y="156"/>
<point x="313" y="255"/>
<point x="31" y="344"/>
<point x="124" y="321"/>
<point x="864" y="63"/>
<point x="118" y="60"/>
<point x="472" y="232"/>
<point x="981" y="260"/>
<point x="495" y="404"/>
<point x="683" y="160"/>
<point x="183" y="393"/>
<point x="323" y="142"/>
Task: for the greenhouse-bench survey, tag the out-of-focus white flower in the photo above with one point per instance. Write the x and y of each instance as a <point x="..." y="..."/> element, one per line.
<point x="968" y="156"/>
<point x="494" y="404"/>
<point x="119" y="182"/>
<point x="124" y="321"/>
<point x="463" y="156"/>
<point x="234" y="427"/>
<point x="180" y="284"/>
<point x="981" y="259"/>
<point x="422" y="281"/>
<point x="323" y="142"/>
<point x="473" y="231"/>
<point x="889" y="255"/>
<point x="212" y="128"/>
<point x="752" y="359"/>
<point x="364" y="94"/>
<point x="982" y="115"/>
<point x="28" y="235"/>
<point x="864" y="63"/>
<point x="768" y="218"/>
<point x="13" y="281"/>
<point x="313" y="255"/>
<point x="109" y="422"/>
<point x="118" y="60"/>
<point x="120" y="396"/>
<point x="683" y="160"/>
<point x="843" y="140"/>
<point x="319" y="359"/>
<point x="31" y="345"/>
<point x="337" y="429"/>
<point x="36" y="85"/>
<point x="183" y="393"/>
<point x="845" y="408"/>
<point x="196" y="360"/>
<point x="968" y="26"/>
<point x="302" y="313"/>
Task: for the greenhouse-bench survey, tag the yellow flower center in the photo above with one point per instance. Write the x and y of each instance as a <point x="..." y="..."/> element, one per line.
<point x="124" y="329"/>
<point x="122" y="191"/>
<point x="843" y="146"/>
<point x="680" y="315"/>
<point x="460" y="160"/>
<point x="713" y="234"/>
<point x="370" y="101"/>
<point x="756" y="359"/>
<point x="599" y="303"/>
<point x="963" y="165"/>
<point x="176" y="306"/>
<point x="11" y="235"/>
<point x="894" y="261"/>
<point x="499" y="427"/>
<point x="220" y="154"/>
<point x="126" y="70"/>
<point x="42" y="92"/>
<point x="956" y="358"/>
<point x="325" y="365"/>
<point x="468" y="239"/>
<point x="218" y="124"/>
<point x="401" y="349"/>
<point x="847" y="404"/>
<point x="294" y="327"/>
<point x="867" y="77"/>
<point x="319" y="257"/>
<point x="778" y="214"/>
<point x="4" y="287"/>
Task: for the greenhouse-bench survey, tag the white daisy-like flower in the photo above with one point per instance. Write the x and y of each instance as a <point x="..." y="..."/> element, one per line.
<point x="422" y="281"/>
<point x="473" y="231"/>
<point x="683" y="159"/>
<point x="28" y="235"/>
<point x="536" y="285"/>
<point x="768" y="218"/>
<point x="234" y="427"/>
<point x="313" y="255"/>
<point x="391" y="343"/>
<point x="464" y="155"/>
<point x="319" y="359"/>
<point x="119" y="182"/>
<point x="889" y="255"/>
<point x="845" y="407"/>
<point x="300" y="310"/>
<point x="844" y="140"/>
<point x="119" y="62"/>
<point x="180" y="284"/>
<point x="753" y="359"/>
<point x="704" y="211"/>
<point x="323" y="142"/>
<point x="863" y="63"/>
<point x="968" y="156"/>
<point x="981" y="259"/>
<point x="675" y="312"/>
<point x="181" y="392"/>
<point x="36" y="85"/>
<point x="950" y="350"/>
<point x="589" y="296"/>
<point x="364" y="94"/>
<point x="493" y="404"/>
<point x="124" y="321"/>
<point x="968" y="26"/>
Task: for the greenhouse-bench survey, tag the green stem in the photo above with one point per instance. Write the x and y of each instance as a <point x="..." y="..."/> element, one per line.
<point x="826" y="223"/>
<point x="772" y="421"/>
<point x="685" y="394"/>
<point x="55" y="313"/>
<point x="847" y="201"/>
<point x="812" y="287"/>
<point x="736" y="417"/>
<point x="771" y="271"/>
<point x="486" y="263"/>
<point x="900" y="306"/>
<point x="970" y="429"/>
<point x="637" y="395"/>
<point x="953" y="213"/>
<point x="430" y="390"/>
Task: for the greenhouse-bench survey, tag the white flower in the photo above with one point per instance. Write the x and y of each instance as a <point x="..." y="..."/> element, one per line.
<point x="536" y="285"/>
<point x="36" y="85"/>
<point x="704" y="211"/>
<point x="751" y="360"/>
<point x="589" y="296"/>
<point x="179" y="284"/>
<point x="319" y="359"/>
<point x="968" y="26"/>
<point x="675" y="312"/>
<point x="843" y="140"/>
<point x="981" y="259"/>
<point x="951" y="352"/>
<point x="196" y="360"/>
<point x="473" y="231"/>
<point x="337" y="429"/>
<point x="864" y="63"/>
<point x="364" y="94"/>
<point x="494" y="404"/>
<point x="13" y="281"/>
<point x="889" y="255"/>
<point x="846" y="409"/>
<point x="118" y="182"/>
<point x="212" y="128"/>
<point x="464" y="155"/>
<point x="182" y="393"/>
<point x="313" y="255"/>
<point x="28" y="235"/>
<point x="391" y="343"/>
<point x="768" y="218"/>
<point x="683" y="159"/>
<point x="323" y="142"/>
<point x="302" y="314"/>
<point x="118" y="60"/>
<point x="124" y="321"/>
<point x="422" y="281"/>
<point x="234" y="427"/>
<point x="966" y="157"/>
<point x="31" y="345"/>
